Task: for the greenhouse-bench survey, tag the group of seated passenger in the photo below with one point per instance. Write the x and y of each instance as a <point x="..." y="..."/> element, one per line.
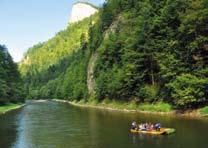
<point x="145" y="126"/>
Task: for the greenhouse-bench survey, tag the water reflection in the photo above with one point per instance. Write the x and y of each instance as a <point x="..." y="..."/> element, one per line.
<point x="57" y="125"/>
<point x="8" y="128"/>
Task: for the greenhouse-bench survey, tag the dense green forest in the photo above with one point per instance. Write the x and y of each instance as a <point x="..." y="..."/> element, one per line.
<point x="10" y="82"/>
<point x="147" y="51"/>
<point x="57" y="68"/>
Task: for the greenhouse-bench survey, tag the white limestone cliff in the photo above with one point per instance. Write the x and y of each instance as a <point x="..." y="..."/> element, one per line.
<point x="81" y="10"/>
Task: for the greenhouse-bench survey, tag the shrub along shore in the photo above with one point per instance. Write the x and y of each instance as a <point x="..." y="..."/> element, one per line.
<point x="159" y="108"/>
<point x="204" y="111"/>
<point x="9" y="107"/>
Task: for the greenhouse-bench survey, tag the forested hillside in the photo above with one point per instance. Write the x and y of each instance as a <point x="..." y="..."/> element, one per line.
<point x="57" y="68"/>
<point x="147" y="51"/>
<point x="10" y="83"/>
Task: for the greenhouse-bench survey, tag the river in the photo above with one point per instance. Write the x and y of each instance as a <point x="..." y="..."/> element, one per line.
<point x="58" y="125"/>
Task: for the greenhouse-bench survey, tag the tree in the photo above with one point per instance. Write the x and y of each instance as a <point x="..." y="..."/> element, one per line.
<point x="10" y="82"/>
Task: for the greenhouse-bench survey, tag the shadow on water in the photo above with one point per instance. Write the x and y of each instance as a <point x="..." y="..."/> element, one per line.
<point x="8" y="128"/>
<point x="58" y="125"/>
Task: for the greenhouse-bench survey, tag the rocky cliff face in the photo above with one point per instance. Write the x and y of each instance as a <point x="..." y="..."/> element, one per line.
<point x="80" y="11"/>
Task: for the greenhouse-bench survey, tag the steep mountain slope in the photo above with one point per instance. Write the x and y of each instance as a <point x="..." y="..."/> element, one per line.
<point x="157" y="52"/>
<point x="146" y="51"/>
<point x="42" y="56"/>
<point x="45" y="67"/>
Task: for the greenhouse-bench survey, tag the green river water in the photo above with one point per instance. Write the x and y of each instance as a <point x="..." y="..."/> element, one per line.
<point x="58" y="125"/>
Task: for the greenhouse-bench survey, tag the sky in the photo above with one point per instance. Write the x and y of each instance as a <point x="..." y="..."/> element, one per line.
<point x="24" y="23"/>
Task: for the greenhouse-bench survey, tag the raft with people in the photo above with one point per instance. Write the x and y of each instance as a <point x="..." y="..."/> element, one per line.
<point x="149" y="128"/>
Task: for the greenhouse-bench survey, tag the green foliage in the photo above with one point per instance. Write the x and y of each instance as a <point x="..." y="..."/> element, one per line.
<point x="68" y="83"/>
<point x="149" y="93"/>
<point x="75" y="78"/>
<point x="110" y="84"/>
<point x="150" y="46"/>
<point x="187" y="89"/>
<point x="10" y="82"/>
<point x="204" y="111"/>
<point x="147" y="51"/>
<point x="158" y="107"/>
<point x="43" y="56"/>
<point x="57" y="69"/>
<point x="123" y="105"/>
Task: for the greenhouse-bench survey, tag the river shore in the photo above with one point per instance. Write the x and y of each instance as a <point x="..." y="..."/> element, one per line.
<point x="7" y="108"/>
<point x="186" y="114"/>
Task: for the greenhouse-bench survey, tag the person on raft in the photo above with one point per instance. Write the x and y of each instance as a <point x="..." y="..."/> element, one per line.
<point x="146" y="126"/>
<point x="134" y="125"/>
<point x="157" y="126"/>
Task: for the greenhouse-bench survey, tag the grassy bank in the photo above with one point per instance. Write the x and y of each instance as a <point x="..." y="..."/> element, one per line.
<point x="9" y="107"/>
<point x="155" y="108"/>
<point x="204" y="111"/>
<point x="159" y="107"/>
